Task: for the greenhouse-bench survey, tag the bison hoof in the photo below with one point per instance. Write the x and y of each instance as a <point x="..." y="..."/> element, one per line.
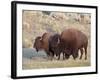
<point x="80" y="58"/>
<point x="85" y="58"/>
<point x="64" y="59"/>
<point x="51" y="59"/>
<point x="74" y="58"/>
<point x="58" y="59"/>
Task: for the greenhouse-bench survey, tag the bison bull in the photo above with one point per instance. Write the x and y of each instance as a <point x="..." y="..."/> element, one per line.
<point x="75" y="40"/>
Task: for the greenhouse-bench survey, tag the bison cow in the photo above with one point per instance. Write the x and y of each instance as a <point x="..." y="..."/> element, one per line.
<point x="42" y="43"/>
<point x="70" y="42"/>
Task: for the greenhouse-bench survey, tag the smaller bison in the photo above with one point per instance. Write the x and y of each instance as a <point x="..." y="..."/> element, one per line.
<point x="42" y="43"/>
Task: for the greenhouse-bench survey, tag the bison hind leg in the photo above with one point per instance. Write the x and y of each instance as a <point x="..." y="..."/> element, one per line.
<point x="85" y="53"/>
<point x="81" y="53"/>
<point x="85" y="48"/>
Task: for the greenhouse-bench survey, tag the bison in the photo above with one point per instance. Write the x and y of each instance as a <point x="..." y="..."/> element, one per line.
<point x="42" y="43"/>
<point x="53" y="45"/>
<point x="70" y="42"/>
<point x="75" y="40"/>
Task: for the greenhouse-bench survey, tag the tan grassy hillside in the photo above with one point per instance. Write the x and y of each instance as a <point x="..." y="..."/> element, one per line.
<point x="35" y="23"/>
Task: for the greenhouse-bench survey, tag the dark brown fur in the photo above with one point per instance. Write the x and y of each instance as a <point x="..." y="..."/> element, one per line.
<point x="74" y="40"/>
<point x="53" y="45"/>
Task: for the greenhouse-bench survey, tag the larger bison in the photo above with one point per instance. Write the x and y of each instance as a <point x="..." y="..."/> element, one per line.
<point x="69" y="43"/>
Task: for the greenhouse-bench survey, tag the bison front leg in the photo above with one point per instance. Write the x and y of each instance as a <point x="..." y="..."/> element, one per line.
<point x="75" y="54"/>
<point x="48" y="55"/>
<point x="63" y="56"/>
<point x="51" y="56"/>
<point x="58" y="56"/>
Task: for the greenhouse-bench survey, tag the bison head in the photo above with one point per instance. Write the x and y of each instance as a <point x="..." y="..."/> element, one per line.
<point x="55" y="40"/>
<point x="38" y="43"/>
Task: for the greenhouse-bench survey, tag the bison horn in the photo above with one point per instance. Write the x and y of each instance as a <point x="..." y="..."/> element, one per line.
<point x="41" y="38"/>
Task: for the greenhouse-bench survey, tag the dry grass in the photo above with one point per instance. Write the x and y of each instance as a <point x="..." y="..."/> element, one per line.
<point x="32" y="64"/>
